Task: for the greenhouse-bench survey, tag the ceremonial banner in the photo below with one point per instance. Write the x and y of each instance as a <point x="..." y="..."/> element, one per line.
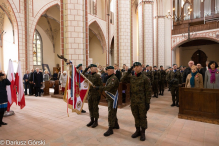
<point x="76" y="90"/>
<point x="11" y="90"/>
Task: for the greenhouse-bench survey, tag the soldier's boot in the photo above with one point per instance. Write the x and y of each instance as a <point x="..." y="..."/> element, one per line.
<point x="173" y="104"/>
<point x="177" y="103"/>
<point x="157" y="95"/>
<point x="137" y="133"/>
<point x="91" y="122"/>
<point x="160" y="93"/>
<point x="108" y="132"/>
<point x="95" y="124"/>
<point x="116" y="125"/>
<point x="142" y="138"/>
<point x="83" y="111"/>
<point x="154" y="95"/>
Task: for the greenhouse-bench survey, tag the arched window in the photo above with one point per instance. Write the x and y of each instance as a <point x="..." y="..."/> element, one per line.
<point x="37" y="49"/>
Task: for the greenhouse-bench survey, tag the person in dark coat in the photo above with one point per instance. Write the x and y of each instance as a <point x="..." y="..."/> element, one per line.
<point x="123" y="68"/>
<point x="26" y="82"/>
<point x="3" y="96"/>
<point x="31" y="85"/>
<point x="55" y="76"/>
<point x="187" y="71"/>
<point x="104" y="77"/>
<point x="38" y="82"/>
<point x="117" y="72"/>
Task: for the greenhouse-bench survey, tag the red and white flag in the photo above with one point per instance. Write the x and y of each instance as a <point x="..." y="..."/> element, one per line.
<point x="20" y="88"/>
<point x="76" y="90"/>
<point x="11" y="90"/>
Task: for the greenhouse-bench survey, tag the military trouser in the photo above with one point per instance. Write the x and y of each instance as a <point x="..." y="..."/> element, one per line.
<point x="155" y="86"/>
<point x="175" y="93"/>
<point x="112" y="118"/>
<point x="139" y="112"/>
<point x="93" y="102"/>
<point x="161" y="85"/>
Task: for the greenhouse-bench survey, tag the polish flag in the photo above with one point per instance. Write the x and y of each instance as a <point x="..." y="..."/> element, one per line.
<point x="11" y="90"/>
<point x="20" y="88"/>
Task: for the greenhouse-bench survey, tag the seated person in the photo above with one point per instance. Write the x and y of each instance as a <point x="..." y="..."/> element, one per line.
<point x="194" y="79"/>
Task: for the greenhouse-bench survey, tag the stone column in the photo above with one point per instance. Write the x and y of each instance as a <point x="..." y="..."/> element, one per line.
<point x="122" y="48"/>
<point x="74" y="26"/>
<point x="146" y="32"/>
<point x="160" y="34"/>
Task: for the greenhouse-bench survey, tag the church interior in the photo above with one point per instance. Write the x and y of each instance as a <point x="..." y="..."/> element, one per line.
<point x="112" y="33"/>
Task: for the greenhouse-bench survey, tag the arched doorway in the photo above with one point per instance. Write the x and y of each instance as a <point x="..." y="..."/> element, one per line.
<point x="97" y="45"/>
<point x="199" y="50"/>
<point x="200" y="57"/>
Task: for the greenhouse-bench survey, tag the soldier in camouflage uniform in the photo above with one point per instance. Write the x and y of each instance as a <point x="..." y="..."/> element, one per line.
<point x="162" y="81"/>
<point x="169" y="69"/>
<point x="140" y="93"/>
<point x="112" y="85"/>
<point x="157" y="78"/>
<point x="149" y="74"/>
<point x="174" y="79"/>
<point x="93" y="95"/>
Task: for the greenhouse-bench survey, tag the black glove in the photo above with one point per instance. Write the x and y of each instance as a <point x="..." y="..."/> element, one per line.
<point x="147" y="106"/>
<point x="130" y="69"/>
<point x="97" y="87"/>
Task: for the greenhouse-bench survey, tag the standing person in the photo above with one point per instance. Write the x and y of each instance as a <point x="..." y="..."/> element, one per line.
<point x="63" y="80"/>
<point x="194" y="80"/>
<point x="80" y="68"/>
<point x="157" y="77"/>
<point x="31" y="85"/>
<point x="162" y="80"/>
<point x="38" y="82"/>
<point x="199" y="68"/>
<point x="26" y="83"/>
<point x="3" y="96"/>
<point x="93" y="95"/>
<point x="187" y="71"/>
<point x="117" y="72"/>
<point x="212" y="76"/>
<point x="46" y="76"/>
<point x="111" y="90"/>
<point x="203" y="71"/>
<point x="55" y="76"/>
<point x="140" y="91"/>
<point x="174" y="79"/>
<point x="123" y="68"/>
<point x="149" y="74"/>
<point x="169" y="70"/>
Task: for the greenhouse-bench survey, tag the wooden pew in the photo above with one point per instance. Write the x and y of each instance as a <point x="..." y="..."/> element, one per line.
<point x="56" y="88"/>
<point x="46" y="89"/>
<point x="199" y="105"/>
<point x="120" y="104"/>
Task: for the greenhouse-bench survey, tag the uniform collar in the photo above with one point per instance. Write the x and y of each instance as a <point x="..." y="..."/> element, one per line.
<point x="137" y="75"/>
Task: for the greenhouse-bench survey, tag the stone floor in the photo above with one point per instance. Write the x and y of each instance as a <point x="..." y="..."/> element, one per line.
<point x="45" y="118"/>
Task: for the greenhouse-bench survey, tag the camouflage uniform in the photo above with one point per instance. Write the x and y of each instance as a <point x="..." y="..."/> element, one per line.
<point x="112" y="86"/>
<point x="140" y="93"/>
<point x="162" y="81"/>
<point x="157" y="78"/>
<point x="150" y="75"/>
<point x="93" y="94"/>
<point x="174" y="78"/>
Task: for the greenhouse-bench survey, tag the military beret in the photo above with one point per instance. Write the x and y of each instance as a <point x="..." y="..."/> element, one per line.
<point x="147" y="65"/>
<point x="109" y="67"/>
<point x="174" y="64"/>
<point x="93" y="65"/>
<point x="170" y="67"/>
<point x="161" y="66"/>
<point x="154" y="66"/>
<point x="79" y="65"/>
<point x="136" y="64"/>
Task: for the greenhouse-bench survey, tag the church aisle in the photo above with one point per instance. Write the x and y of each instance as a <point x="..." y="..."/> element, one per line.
<point x="45" y="118"/>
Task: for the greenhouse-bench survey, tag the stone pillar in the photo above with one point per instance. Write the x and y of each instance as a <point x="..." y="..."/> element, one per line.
<point x="146" y="32"/>
<point x="160" y="34"/>
<point x="74" y="26"/>
<point x="122" y="48"/>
